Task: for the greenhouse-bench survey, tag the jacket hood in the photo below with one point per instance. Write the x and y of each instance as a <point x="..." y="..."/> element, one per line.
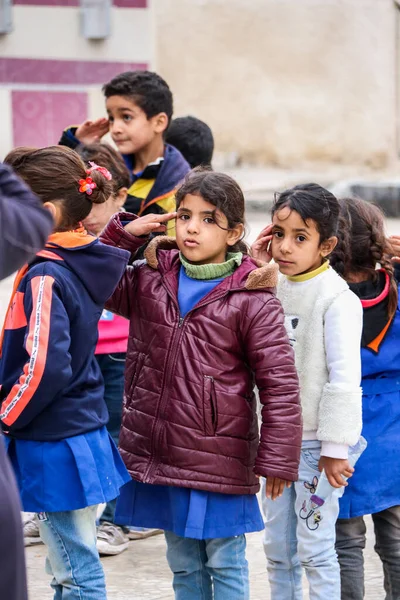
<point x="162" y="253"/>
<point x="98" y="266"/>
<point x="173" y="169"/>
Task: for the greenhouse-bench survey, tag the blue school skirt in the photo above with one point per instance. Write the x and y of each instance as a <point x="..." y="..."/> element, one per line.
<point x="375" y="484"/>
<point x="186" y="512"/>
<point x="69" y="474"/>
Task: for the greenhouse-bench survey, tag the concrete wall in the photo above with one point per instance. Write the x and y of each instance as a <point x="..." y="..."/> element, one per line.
<point x="285" y="81"/>
<point x="51" y="76"/>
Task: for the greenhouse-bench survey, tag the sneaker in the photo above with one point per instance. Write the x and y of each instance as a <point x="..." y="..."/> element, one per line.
<point x="111" y="539"/>
<point x="31" y="533"/>
<point x="140" y="533"/>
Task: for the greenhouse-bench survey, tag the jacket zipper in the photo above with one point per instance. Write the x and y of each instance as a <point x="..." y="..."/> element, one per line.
<point x="168" y="374"/>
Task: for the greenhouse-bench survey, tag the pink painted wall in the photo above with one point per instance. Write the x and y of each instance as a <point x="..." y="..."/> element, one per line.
<point x="40" y="117"/>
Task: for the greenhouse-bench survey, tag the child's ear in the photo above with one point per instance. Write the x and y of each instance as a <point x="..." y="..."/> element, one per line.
<point x="235" y="234"/>
<point x="328" y="246"/>
<point x="120" y="197"/>
<point x="160" y="122"/>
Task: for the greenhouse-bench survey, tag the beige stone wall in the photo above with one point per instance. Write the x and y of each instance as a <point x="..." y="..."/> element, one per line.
<point x="285" y="81"/>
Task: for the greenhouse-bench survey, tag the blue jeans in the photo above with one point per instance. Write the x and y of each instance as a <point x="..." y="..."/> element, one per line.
<point x="73" y="559"/>
<point x="112" y="367"/>
<point x="299" y="535"/>
<point x="207" y="569"/>
<point x="350" y="543"/>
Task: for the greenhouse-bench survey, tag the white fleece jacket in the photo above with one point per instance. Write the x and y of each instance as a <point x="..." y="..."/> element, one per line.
<point x="324" y="322"/>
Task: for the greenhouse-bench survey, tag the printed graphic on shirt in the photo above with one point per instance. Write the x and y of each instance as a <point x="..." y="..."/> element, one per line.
<point x="291" y="324"/>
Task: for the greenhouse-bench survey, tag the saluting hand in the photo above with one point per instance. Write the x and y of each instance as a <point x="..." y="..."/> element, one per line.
<point x="149" y="223"/>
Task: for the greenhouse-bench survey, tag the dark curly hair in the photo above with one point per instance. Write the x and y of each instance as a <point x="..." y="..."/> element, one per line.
<point x="366" y="246"/>
<point x="147" y="89"/>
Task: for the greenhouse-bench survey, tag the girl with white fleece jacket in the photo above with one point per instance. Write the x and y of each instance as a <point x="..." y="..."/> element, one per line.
<point x="324" y="322"/>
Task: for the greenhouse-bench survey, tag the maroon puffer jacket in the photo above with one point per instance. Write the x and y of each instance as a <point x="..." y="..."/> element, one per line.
<point x="189" y="416"/>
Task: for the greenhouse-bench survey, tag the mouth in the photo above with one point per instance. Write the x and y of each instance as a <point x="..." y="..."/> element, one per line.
<point x="190" y="243"/>
<point x="284" y="262"/>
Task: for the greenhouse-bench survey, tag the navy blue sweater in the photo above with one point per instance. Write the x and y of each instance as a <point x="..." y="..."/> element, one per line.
<point x="52" y="387"/>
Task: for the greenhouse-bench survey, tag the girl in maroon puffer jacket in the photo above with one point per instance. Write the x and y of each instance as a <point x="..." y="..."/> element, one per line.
<point x="205" y="327"/>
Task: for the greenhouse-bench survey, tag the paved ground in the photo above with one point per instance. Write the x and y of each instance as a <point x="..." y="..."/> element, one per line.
<point x="142" y="573"/>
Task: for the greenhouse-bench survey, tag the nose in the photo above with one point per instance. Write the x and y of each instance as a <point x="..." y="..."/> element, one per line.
<point x="192" y="226"/>
<point x="116" y="126"/>
<point x="286" y="246"/>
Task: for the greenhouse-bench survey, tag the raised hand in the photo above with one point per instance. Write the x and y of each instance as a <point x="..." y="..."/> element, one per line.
<point x="91" y="132"/>
<point x="260" y="249"/>
<point x="394" y="243"/>
<point x="148" y="224"/>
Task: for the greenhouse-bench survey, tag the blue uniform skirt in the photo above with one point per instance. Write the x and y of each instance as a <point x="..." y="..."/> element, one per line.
<point x="69" y="474"/>
<point x="186" y="512"/>
<point x="375" y="484"/>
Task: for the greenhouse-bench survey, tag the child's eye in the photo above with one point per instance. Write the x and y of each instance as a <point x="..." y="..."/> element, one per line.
<point x="278" y="234"/>
<point x="301" y="238"/>
<point x="183" y="217"/>
<point x="209" y="220"/>
<point x="127" y="118"/>
<point x="111" y="119"/>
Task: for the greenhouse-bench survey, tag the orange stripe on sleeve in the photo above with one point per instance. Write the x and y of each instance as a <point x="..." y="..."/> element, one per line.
<point x="36" y="345"/>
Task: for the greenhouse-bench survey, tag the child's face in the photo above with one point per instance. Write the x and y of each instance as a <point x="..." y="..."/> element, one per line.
<point x="130" y="128"/>
<point x="295" y="245"/>
<point x="198" y="236"/>
<point x="100" y="214"/>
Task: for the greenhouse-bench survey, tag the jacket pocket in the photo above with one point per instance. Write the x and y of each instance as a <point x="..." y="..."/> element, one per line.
<point x="135" y="376"/>
<point x="210" y="408"/>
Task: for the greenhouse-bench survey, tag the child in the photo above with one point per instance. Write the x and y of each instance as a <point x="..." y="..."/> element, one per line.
<point x="324" y="320"/>
<point x="193" y="138"/>
<point x="53" y="408"/>
<point x="139" y="109"/>
<point x="205" y="327"/>
<point x="375" y="487"/>
<point x="112" y="539"/>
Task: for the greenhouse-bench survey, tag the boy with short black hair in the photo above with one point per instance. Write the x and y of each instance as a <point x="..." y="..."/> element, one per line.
<point x="193" y="138"/>
<point x="139" y="107"/>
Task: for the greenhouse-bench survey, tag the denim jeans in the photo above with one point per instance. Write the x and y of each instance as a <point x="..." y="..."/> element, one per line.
<point x="298" y="534"/>
<point x="112" y="368"/>
<point x="208" y="569"/>
<point x="350" y="543"/>
<point x="73" y="559"/>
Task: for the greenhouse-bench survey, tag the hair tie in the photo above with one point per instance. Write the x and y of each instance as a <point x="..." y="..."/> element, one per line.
<point x="87" y="185"/>
<point x="105" y="172"/>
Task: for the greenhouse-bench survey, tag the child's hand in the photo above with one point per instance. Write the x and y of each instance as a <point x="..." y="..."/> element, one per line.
<point x="394" y="242"/>
<point x="260" y="249"/>
<point x="148" y="224"/>
<point x="275" y="487"/>
<point x="92" y="131"/>
<point x="335" y="470"/>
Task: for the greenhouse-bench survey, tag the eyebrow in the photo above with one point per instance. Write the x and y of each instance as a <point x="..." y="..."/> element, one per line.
<point x="122" y="109"/>
<point x="301" y="230"/>
<point x="204" y="212"/>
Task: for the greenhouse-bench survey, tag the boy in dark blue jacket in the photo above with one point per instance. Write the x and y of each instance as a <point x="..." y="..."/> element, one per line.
<point x="139" y="108"/>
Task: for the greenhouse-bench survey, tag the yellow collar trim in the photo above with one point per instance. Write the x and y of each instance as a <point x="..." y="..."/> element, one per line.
<point x="311" y="274"/>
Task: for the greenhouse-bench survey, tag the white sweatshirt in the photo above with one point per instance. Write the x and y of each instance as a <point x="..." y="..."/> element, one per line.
<point x="324" y="322"/>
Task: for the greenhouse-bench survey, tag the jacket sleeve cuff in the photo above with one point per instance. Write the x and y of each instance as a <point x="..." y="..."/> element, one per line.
<point x="334" y="450"/>
<point x="116" y="235"/>
<point x="340" y="415"/>
<point x="68" y="138"/>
